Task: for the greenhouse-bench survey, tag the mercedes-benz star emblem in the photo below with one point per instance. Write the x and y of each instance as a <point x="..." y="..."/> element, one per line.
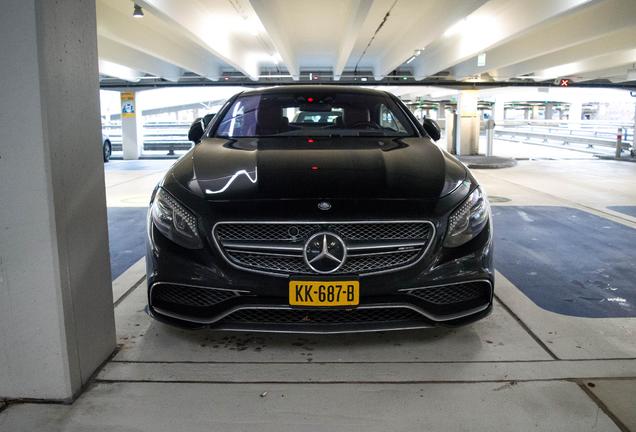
<point x="324" y="205"/>
<point x="325" y="252"/>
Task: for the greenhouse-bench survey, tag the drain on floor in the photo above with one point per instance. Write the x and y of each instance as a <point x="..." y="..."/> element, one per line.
<point x="498" y="199"/>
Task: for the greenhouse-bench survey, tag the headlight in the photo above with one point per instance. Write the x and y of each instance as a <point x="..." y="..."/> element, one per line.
<point x="175" y="221"/>
<point x="467" y="220"/>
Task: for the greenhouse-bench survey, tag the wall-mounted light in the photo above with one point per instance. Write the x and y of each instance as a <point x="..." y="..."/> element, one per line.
<point x="138" y="12"/>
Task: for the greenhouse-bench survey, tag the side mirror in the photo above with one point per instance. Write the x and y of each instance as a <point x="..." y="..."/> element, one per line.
<point x="196" y="131"/>
<point x="432" y="129"/>
<point x="207" y="119"/>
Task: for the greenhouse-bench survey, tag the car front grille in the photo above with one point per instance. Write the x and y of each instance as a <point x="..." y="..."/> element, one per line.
<point x="181" y="295"/>
<point x="454" y="293"/>
<point x="278" y="247"/>
<point x="330" y="316"/>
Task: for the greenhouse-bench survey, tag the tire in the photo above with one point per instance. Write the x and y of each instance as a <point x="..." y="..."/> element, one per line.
<point x="107" y="150"/>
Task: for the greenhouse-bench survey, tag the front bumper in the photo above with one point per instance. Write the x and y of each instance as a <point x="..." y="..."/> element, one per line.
<point x="232" y="310"/>
<point x="197" y="288"/>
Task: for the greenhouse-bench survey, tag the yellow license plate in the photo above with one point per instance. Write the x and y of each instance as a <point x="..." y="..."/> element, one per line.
<point x="324" y="293"/>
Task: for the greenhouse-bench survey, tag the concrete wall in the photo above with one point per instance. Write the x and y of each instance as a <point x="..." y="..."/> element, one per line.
<point x="56" y="315"/>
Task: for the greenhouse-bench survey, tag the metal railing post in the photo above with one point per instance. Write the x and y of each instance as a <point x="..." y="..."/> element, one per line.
<point x="490" y="135"/>
<point x="456" y="133"/>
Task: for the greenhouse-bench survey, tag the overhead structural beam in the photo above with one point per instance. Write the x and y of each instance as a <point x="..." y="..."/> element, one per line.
<point x="597" y="63"/>
<point x="124" y="29"/>
<point x="120" y="71"/>
<point x="615" y="42"/>
<point x="358" y="12"/>
<point x="490" y="25"/>
<point x="115" y="52"/>
<point x="275" y="30"/>
<point x="214" y="37"/>
<point x="581" y="26"/>
<point x="614" y="74"/>
<point x="418" y="36"/>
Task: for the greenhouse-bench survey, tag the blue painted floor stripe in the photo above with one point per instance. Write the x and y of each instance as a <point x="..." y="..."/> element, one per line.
<point x="566" y="260"/>
<point x="126" y="233"/>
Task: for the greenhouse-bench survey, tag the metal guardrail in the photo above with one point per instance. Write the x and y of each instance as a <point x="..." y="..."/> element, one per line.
<point x="603" y="129"/>
<point x="166" y="137"/>
<point x="591" y="134"/>
<point x="173" y="136"/>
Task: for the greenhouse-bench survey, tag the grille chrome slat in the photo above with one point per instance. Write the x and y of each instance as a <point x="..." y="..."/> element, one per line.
<point x="263" y="246"/>
<point x="277" y="247"/>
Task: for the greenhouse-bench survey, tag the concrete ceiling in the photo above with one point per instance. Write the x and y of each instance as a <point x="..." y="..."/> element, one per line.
<point x="268" y="41"/>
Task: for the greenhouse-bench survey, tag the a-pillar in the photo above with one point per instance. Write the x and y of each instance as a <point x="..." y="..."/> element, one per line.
<point x="468" y="122"/>
<point x="56" y="301"/>
<point x="132" y="138"/>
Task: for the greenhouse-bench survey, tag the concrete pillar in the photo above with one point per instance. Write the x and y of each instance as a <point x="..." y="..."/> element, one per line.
<point x="56" y="302"/>
<point x="576" y="112"/>
<point x="535" y="112"/>
<point x="633" y="137"/>
<point x="132" y="138"/>
<point x="549" y="108"/>
<point x="499" y="112"/>
<point x="449" y="124"/>
<point x="441" y="110"/>
<point x="468" y="122"/>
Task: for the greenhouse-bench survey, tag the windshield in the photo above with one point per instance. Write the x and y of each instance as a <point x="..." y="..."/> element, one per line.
<point x="315" y="114"/>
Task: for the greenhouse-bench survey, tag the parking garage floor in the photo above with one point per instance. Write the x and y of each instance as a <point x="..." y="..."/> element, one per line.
<point x="557" y="353"/>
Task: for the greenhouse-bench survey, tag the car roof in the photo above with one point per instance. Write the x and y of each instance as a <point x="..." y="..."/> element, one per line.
<point x="322" y="89"/>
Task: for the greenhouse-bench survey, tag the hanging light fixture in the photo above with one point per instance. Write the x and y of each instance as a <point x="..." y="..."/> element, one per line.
<point x="138" y="12"/>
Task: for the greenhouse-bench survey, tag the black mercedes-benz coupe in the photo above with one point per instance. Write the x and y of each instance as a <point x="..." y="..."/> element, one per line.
<point x="347" y="218"/>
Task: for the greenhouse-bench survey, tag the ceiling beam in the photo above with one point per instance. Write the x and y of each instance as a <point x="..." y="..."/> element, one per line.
<point x="119" y="71"/>
<point x="490" y="25"/>
<point x="583" y="25"/>
<point x="615" y="74"/>
<point x="615" y="42"/>
<point x="194" y="21"/>
<point x="358" y="12"/>
<point x="266" y="13"/>
<point x="419" y="36"/>
<point x="134" y="33"/>
<point x="597" y="63"/>
<point x="121" y="54"/>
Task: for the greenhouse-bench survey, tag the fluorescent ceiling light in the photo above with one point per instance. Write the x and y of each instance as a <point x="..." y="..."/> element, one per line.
<point x="415" y="54"/>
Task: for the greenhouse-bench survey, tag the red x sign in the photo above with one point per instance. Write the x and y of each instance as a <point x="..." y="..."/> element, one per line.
<point x="564" y="82"/>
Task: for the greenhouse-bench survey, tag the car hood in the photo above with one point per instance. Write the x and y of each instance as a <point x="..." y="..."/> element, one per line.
<point x="295" y="167"/>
